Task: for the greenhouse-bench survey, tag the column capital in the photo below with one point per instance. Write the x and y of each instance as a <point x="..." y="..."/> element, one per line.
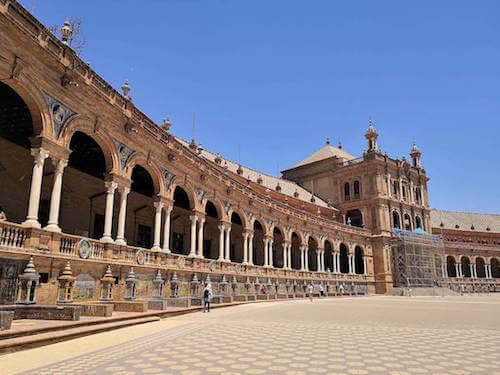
<point x="110" y="186"/>
<point x="124" y="190"/>
<point x="59" y="164"/>
<point x="158" y="205"/>
<point x="248" y="232"/>
<point x="221" y="227"/>
<point x="39" y="154"/>
<point x="193" y="218"/>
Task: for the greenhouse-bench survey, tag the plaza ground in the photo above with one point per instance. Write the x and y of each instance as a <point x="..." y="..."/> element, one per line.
<point x="358" y="335"/>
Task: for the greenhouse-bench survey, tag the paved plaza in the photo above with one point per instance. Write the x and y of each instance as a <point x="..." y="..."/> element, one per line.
<point x="368" y="335"/>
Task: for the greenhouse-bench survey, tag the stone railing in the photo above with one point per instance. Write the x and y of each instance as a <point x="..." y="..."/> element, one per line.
<point x="15" y="237"/>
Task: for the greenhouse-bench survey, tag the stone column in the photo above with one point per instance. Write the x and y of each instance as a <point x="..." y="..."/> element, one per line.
<point x="157" y="229"/>
<point x="364" y="265"/>
<point x="245" y="247"/>
<point x="250" y="249"/>
<point x="302" y="251"/>
<point x="289" y="256"/>
<point x="55" y="199"/>
<point x="285" y="255"/>
<point x="460" y="269"/>
<point x="457" y="270"/>
<point x="401" y="192"/>
<point x="334" y="262"/>
<point x="194" y="220"/>
<point x="120" y="235"/>
<point x="471" y="267"/>
<point x="108" y="218"/>
<point x="266" y="252"/>
<point x="39" y="154"/>
<point x="412" y="198"/>
<point x="389" y="187"/>
<point x="349" y="260"/>
<point x="200" y="237"/>
<point x="228" y="243"/>
<point x="271" y="253"/>
<point x="488" y="271"/>
<point x="166" y="229"/>
<point x="221" y="242"/>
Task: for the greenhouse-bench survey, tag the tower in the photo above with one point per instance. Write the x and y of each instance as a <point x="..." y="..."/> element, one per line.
<point x="416" y="155"/>
<point x="371" y="136"/>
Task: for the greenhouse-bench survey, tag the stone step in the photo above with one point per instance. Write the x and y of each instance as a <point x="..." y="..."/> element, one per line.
<point x="39" y="339"/>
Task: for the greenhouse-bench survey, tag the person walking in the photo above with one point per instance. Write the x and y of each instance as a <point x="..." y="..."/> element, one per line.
<point x="342" y="289"/>
<point x="310" y="290"/>
<point x="207" y="297"/>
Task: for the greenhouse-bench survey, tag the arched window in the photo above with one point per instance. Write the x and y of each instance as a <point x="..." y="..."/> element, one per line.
<point x="450" y="266"/>
<point x="418" y="222"/>
<point x="395" y="188"/>
<point x="395" y="220"/>
<point x="480" y="269"/>
<point x="407" y="222"/>
<point x="347" y="191"/>
<point x="495" y="268"/>
<point x="344" y="259"/>
<point x="465" y="263"/>
<point x="354" y="218"/>
<point x="356" y="189"/>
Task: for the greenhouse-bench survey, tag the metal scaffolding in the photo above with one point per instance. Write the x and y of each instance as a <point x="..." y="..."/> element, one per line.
<point x="416" y="258"/>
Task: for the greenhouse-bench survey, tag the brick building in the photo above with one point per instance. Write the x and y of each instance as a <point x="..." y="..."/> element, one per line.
<point x="86" y="177"/>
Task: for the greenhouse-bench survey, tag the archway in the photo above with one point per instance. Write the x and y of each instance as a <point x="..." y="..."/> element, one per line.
<point x="343" y="259"/>
<point x="16" y="162"/>
<point x="450" y="266"/>
<point x="295" y="252"/>
<point x="465" y="264"/>
<point x="180" y="223"/>
<point x="83" y="196"/>
<point x="347" y="191"/>
<point x="418" y="222"/>
<point x="480" y="268"/>
<point x="312" y="257"/>
<point x="258" y="244"/>
<point x="140" y="206"/>
<point x="359" y="261"/>
<point x="354" y="218"/>
<point x="396" y="223"/>
<point x="357" y="190"/>
<point x="328" y="256"/>
<point x="277" y="248"/>
<point x="236" y="243"/>
<point x="495" y="268"/>
<point x="211" y="232"/>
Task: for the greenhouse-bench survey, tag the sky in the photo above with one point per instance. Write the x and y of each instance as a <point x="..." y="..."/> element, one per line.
<point x="267" y="81"/>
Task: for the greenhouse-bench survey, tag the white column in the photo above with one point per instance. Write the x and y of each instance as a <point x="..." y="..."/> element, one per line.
<point x="221" y="242"/>
<point x="443" y="270"/>
<point x="245" y="247"/>
<point x="318" y="260"/>
<point x="334" y="263"/>
<point x="389" y="187"/>
<point x="228" y="243"/>
<point x="108" y="218"/>
<point x="302" y="251"/>
<point x="250" y="249"/>
<point x="364" y="265"/>
<point x="55" y="199"/>
<point x="456" y="270"/>
<point x="349" y="259"/>
<point x="488" y="271"/>
<point x="460" y="269"/>
<point x="166" y="229"/>
<point x="156" y="241"/>
<point x="306" y="258"/>
<point x="285" y="255"/>
<point x="289" y="252"/>
<point x="271" y="253"/>
<point x="200" y="237"/>
<point x="338" y="262"/>
<point x="266" y="252"/>
<point x="401" y="190"/>
<point x="471" y="267"/>
<point x="39" y="155"/>
<point x="194" y="219"/>
<point x="412" y="198"/>
<point x="122" y="215"/>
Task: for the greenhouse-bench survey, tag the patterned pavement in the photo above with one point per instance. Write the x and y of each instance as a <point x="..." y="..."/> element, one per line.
<point x="365" y="335"/>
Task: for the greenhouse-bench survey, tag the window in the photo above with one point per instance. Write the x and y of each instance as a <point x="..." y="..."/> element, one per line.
<point x="347" y="191"/>
<point x="395" y="220"/>
<point x="404" y="191"/>
<point x="356" y="189"/>
<point x="44" y="277"/>
<point x="395" y="188"/>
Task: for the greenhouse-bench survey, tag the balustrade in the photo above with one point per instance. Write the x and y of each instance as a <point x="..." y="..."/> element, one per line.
<point x="12" y="235"/>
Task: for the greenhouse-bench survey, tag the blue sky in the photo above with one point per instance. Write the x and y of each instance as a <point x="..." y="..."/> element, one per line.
<point x="275" y="78"/>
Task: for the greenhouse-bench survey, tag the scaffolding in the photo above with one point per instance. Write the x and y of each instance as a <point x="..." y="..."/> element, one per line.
<point x="417" y="258"/>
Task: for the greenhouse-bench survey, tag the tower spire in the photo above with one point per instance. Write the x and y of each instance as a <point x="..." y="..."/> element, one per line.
<point x="371" y="136"/>
<point x="416" y="155"/>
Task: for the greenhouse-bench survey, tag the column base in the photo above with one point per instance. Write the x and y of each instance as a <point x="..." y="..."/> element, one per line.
<point x="31" y="223"/>
<point x="107" y="239"/>
<point x="166" y="251"/>
<point x="121" y="242"/>
<point x="156" y="248"/>
<point x="53" y="228"/>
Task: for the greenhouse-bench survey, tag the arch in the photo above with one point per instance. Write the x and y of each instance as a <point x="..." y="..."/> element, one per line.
<point x="312" y="258"/>
<point x="241" y="215"/>
<point x="465" y="264"/>
<point x="213" y="215"/>
<point x="396" y="222"/>
<point x="344" y="258"/>
<point x="480" y="267"/>
<point x="357" y="189"/>
<point x="181" y="199"/>
<point x="139" y="159"/>
<point x="495" y="268"/>
<point x="296" y="242"/>
<point x="450" y="266"/>
<point x="236" y="236"/>
<point x="278" y="239"/>
<point x="418" y="222"/>
<point x="328" y="255"/>
<point x="258" y="242"/>
<point x="105" y="142"/>
<point x="359" y="262"/>
<point x="35" y="103"/>
<point x="407" y="222"/>
<point x="354" y="218"/>
<point x="86" y="155"/>
<point x="211" y="210"/>
<point x="189" y="192"/>
<point x="347" y="191"/>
